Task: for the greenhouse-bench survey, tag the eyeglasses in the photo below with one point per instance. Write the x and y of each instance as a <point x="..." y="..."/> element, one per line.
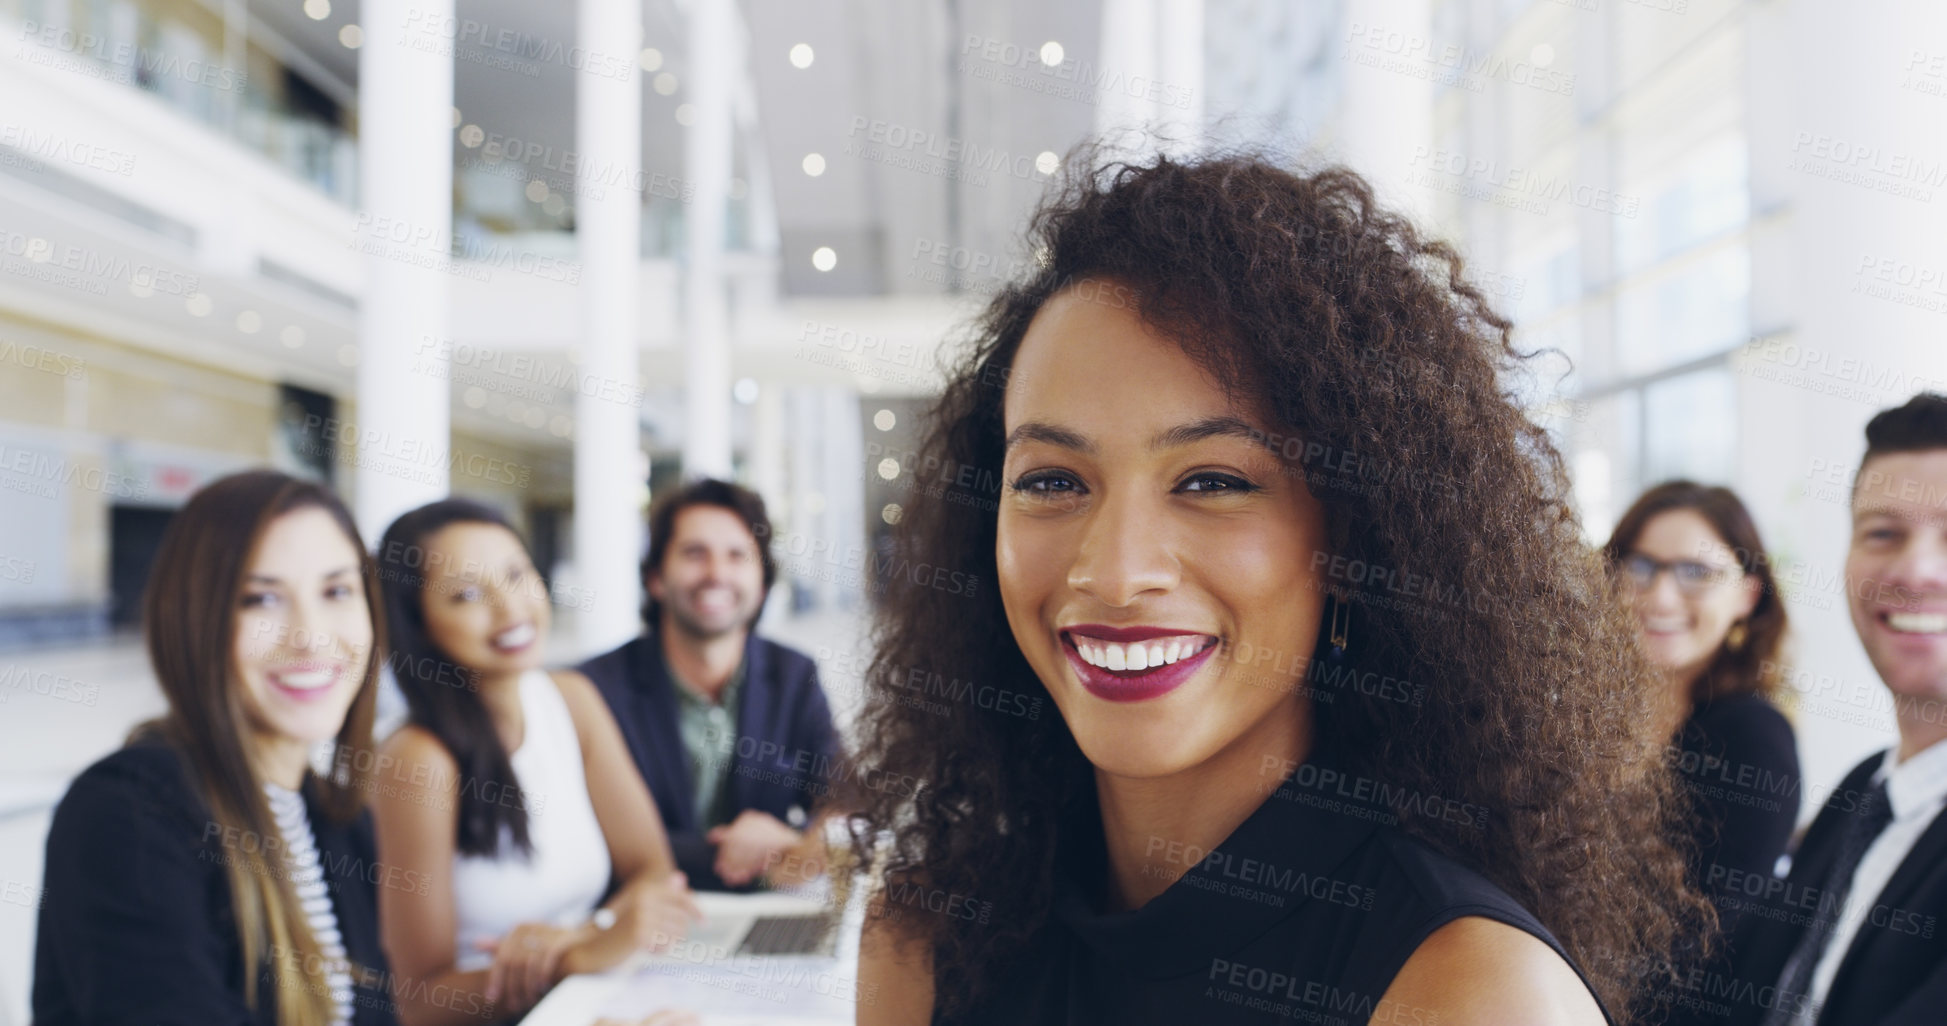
<point x="1693" y="578"/>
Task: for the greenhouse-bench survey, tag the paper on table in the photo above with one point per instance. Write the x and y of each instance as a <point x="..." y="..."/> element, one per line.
<point x="742" y="989"/>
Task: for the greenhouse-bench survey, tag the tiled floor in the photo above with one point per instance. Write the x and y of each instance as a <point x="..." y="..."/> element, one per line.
<point x="63" y="708"/>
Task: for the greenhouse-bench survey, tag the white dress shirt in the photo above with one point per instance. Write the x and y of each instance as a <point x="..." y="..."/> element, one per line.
<point x="1916" y="789"/>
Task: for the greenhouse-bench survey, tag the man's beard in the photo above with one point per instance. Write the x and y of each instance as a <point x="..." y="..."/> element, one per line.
<point x="689" y="625"/>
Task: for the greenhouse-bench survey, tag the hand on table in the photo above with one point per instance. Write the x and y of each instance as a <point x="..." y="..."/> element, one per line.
<point x="750" y="844"/>
<point x="801" y="864"/>
<point x="654" y="914"/>
<point x="527" y="961"/>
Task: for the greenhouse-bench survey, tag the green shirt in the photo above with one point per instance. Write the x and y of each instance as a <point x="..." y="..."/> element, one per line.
<point x="709" y="732"/>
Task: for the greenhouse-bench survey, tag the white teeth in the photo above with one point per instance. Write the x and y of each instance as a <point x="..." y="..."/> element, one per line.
<point x="308" y="680"/>
<point x="1917" y="623"/>
<point x="1665" y="625"/>
<point x="514" y="637"/>
<point x="1137" y="656"/>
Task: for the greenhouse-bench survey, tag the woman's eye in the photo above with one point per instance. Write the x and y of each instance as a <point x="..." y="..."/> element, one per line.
<point x="1212" y="482"/>
<point x="258" y="600"/>
<point x="1045" y="483"/>
<point x="468" y="594"/>
<point x="339" y="591"/>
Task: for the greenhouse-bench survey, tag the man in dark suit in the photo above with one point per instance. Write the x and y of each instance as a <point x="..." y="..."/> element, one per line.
<point x="731" y="732"/>
<point x="1857" y="934"/>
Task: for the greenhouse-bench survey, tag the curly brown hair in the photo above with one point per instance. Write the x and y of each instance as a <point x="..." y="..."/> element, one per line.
<point x="1753" y="667"/>
<point x="1360" y="336"/>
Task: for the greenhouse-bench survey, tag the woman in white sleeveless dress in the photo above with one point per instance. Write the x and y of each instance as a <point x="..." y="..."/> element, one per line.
<point x="508" y="802"/>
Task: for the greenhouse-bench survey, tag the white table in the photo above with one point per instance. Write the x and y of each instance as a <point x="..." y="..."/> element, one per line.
<point x="725" y="989"/>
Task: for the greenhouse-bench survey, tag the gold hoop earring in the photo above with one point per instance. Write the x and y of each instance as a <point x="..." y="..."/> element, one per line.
<point x="1734" y="638"/>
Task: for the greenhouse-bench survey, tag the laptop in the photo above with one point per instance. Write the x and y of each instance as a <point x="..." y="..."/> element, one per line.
<point x="764" y="924"/>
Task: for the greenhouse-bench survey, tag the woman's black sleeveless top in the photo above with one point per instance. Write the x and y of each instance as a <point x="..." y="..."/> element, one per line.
<point x="1303" y="915"/>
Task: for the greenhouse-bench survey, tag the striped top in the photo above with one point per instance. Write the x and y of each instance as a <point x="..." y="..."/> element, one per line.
<point x="307" y="880"/>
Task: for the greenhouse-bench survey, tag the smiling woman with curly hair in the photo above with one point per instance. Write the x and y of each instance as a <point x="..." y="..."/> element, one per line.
<point x="1348" y="725"/>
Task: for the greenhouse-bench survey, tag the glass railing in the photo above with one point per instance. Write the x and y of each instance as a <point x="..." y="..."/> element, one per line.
<point x="498" y="200"/>
<point x="185" y="54"/>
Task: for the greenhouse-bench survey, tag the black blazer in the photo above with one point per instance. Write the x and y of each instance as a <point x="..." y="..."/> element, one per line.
<point x="136" y="924"/>
<point x="787" y="751"/>
<point x="1895" y="972"/>
<point x="1739" y="761"/>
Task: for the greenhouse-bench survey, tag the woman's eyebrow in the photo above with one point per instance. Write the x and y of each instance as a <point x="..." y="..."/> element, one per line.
<point x="1211" y="427"/>
<point x="1042" y="431"/>
<point x="274" y="581"/>
<point x="1182" y="434"/>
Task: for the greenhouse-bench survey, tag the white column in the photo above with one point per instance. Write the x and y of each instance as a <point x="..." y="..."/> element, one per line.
<point x="1152" y="82"/>
<point x="844" y="515"/>
<point x="763" y="201"/>
<point x="767" y="445"/>
<point x="1128" y="52"/>
<point x="809" y="482"/>
<point x="769" y="477"/>
<point x="713" y="74"/>
<point x="405" y="166"/>
<point x="1387" y="115"/>
<point x="1179" y="69"/>
<point x="609" y="525"/>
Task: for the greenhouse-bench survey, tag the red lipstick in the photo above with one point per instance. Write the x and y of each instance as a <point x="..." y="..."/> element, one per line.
<point x="1133" y="685"/>
<point x="1126" y="634"/>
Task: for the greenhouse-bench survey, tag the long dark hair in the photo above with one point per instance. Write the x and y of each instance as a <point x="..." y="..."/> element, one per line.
<point x="189" y="615"/>
<point x="1752" y="668"/>
<point x="442" y="696"/>
<point x="1364" y="340"/>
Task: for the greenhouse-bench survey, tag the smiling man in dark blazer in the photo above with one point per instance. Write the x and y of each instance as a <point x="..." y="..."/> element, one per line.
<point x="1857" y="934"/>
<point x="731" y="732"/>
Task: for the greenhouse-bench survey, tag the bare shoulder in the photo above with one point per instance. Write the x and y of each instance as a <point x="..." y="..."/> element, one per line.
<point x="412" y="785"/>
<point x="585" y="704"/>
<point x="575" y="686"/>
<point x="413" y="745"/>
<point x="1479" y="972"/>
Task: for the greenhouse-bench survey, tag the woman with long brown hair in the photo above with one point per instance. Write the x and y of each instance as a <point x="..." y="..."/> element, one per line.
<point x="1713" y="624"/>
<point x="203" y="873"/>
<point x="1349" y="726"/>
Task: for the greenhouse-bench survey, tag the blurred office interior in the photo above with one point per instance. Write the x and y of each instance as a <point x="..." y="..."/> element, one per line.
<point x="557" y="256"/>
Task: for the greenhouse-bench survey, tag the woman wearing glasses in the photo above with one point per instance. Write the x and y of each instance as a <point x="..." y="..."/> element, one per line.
<point x="1710" y="618"/>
